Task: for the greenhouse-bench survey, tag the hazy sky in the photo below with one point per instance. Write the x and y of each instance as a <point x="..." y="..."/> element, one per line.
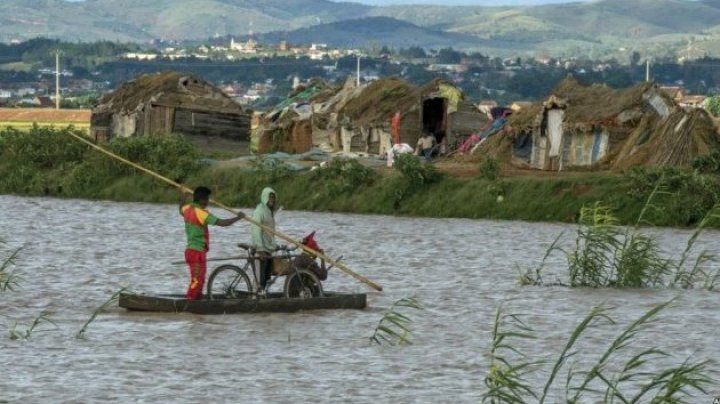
<point x="454" y="2"/>
<point x="462" y="2"/>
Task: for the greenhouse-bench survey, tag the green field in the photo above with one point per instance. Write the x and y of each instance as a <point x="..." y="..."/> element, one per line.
<point x="26" y="126"/>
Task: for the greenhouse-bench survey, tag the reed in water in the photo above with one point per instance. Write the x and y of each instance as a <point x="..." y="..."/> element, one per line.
<point x="621" y="373"/>
<point x="606" y="254"/>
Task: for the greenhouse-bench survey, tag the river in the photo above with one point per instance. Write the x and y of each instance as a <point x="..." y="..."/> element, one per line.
<point x="78" y="253"/>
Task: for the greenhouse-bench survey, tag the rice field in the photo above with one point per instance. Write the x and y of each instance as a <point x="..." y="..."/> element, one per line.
<point x="26" y="118"/>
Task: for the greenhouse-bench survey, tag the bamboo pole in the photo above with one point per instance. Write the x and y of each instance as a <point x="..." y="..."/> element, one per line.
<point x="280" y="235"/>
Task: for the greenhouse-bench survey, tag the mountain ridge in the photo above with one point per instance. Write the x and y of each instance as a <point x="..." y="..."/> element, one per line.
<point x="653" y="26"/>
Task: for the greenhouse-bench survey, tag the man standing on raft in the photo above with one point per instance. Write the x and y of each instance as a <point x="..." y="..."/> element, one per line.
<point x="197" y="219"/>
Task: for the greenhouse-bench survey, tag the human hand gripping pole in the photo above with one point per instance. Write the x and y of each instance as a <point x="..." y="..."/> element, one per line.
<point x="280" y="235"/>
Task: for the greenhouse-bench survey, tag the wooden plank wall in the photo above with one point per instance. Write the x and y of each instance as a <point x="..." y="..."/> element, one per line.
<point x="231" y="126"/>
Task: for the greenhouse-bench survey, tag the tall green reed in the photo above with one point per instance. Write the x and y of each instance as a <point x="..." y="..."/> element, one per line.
<point x="639" y="379"/>
<point x="606" y="254"/>
<point x="505" y="381"/>
<point x="9" y="279"/>
<point x="101" y="309"/>
<point x="25" y="333"/>
<point x="394" y="326"/>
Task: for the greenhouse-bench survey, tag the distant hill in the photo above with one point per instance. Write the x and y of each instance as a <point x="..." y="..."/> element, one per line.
<point x="366" y="32"/>
<point x="602" y="28"/>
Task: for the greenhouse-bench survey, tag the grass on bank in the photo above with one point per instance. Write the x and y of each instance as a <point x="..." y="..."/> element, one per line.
<point x="47" y="161"/>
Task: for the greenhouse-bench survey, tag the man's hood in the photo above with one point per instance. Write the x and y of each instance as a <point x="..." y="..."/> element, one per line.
<point x="266" y="195"/>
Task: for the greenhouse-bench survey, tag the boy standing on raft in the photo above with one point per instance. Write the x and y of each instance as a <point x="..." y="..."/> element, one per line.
<point x="197" y="219"/>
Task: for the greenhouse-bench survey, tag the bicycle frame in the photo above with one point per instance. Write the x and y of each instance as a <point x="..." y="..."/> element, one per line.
<point x="252" y="282"/>
<point x="251" y="267"/>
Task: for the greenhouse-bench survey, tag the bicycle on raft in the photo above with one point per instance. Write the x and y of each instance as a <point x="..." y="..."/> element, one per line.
<point x="238" y="282"/>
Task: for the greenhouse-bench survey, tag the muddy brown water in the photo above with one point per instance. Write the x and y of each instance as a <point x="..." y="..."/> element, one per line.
<point x="78" y="253"/>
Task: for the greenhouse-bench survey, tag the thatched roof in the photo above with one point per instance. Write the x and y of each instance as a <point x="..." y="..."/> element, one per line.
<point x="584" y="104"/>
<point x="380" y="99"/>
<point x="169" y="89"/>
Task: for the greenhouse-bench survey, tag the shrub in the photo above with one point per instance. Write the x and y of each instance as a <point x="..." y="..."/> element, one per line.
<point x="713" y="106"/>
<point x="415" y="172"/>
<point x="42" y="148"/>
<point x="708" y="163"/>
<point x="489" y="169"/>
<point x="342" y="175"/>
<point x="172" y="156"/>
<point x="689" y="194"/>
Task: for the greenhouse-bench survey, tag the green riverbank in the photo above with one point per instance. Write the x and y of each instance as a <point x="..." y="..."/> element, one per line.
<point x="49" y="162"/>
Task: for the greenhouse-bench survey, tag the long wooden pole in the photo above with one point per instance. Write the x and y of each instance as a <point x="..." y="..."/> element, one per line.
<point x="282" y="236"/>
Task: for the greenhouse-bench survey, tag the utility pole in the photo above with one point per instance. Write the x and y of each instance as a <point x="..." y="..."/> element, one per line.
<point x="647" y="70"/>
<point x="57" y="79"/>
<point x="358" y="71"/>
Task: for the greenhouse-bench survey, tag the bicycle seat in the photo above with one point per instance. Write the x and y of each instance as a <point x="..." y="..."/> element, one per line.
<point x="244" y="246"/>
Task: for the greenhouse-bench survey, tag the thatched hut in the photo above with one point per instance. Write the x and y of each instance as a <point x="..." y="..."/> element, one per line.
<point x="288" y="127"/>
<point x="169" y="102"/>
<point x="596" y="126"/>
<point x="357" y="119"/>
<point x="437" y="107"/>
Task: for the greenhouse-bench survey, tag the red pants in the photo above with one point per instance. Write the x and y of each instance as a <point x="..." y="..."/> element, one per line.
<point x="197" y="263"/>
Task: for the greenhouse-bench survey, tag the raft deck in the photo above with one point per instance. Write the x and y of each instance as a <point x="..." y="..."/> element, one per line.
<point x="275" y="303"/>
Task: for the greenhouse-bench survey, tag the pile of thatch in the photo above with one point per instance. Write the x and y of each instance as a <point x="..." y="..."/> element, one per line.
<point x="675" y="141"/>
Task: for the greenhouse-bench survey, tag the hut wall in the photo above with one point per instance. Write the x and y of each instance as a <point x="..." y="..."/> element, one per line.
<point x="101" y="126"/>
<point x="124" y="125"/>
<point x="301" y="137"/>
<point x="380" y="141"/>
<point x="324" y="128"/>
<point x="346" y="136"/>
<point x="540" y="151"/>
<point x="360" y="140"/>
<point x="336" y="139"/>
<point x="555" y="130"/>
<point x="156" y="120"/>
<point x="323" y="137"/>
<point x="232" y="126"/>
<point x="411" y="127"/>
<point x="585" y="148"/>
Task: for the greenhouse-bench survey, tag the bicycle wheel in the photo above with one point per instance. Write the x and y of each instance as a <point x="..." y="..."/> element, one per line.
<point x="228" y="282"/>
<point x="302" y="284"/>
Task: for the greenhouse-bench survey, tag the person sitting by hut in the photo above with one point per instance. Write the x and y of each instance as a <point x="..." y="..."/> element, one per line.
<point x="307" y="261"/>
<point x="426" y="146"/>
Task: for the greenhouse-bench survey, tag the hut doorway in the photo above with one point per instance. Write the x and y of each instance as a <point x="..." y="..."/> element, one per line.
<point x="434" y="118"/>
